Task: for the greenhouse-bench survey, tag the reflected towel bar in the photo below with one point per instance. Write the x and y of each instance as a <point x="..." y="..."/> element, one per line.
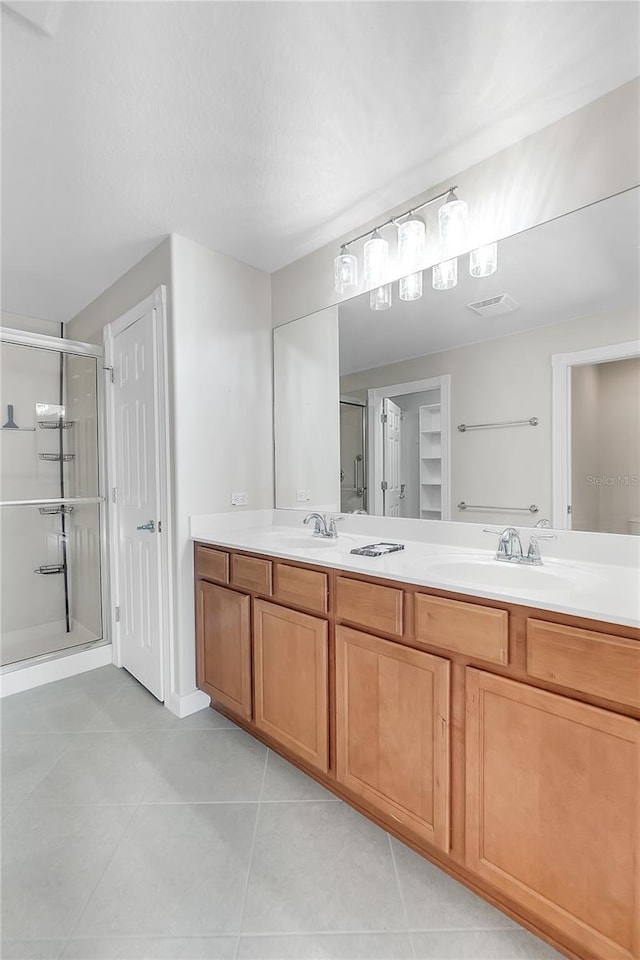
<point x="531" y="422"/>
<point x="532" y="508"/>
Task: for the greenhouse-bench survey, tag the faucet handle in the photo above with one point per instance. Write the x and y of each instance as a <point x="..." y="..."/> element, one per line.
<point x="332" y="525"/>
<point x="533" y="553"/>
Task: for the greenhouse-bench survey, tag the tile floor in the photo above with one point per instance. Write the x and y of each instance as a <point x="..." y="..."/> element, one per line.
<point x="130" y="834"/>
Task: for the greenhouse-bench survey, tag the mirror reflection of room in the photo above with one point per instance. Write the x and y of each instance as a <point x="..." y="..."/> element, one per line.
<point x="481" y="449"/>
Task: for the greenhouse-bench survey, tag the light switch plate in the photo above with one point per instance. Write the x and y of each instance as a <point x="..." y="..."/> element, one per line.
<point x="303" y="496"/>
<point x="239" y="499"/>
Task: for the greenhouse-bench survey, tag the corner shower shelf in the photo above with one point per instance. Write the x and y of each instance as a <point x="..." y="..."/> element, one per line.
<point x="55" y="424"/>
<point x="57" y="457"/>
<point x="47" y="569"/>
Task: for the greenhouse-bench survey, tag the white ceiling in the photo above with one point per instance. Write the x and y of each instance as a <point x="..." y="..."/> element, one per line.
<point x="585" y="263"/>
<point x="264" y="130"/>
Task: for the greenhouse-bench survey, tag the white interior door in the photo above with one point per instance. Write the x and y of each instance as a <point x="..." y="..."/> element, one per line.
<point x="135" y="474"/>
<point x="391" y="438"/>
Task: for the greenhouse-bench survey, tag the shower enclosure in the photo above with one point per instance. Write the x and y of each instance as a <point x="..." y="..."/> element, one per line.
<point x="50" y="505"/>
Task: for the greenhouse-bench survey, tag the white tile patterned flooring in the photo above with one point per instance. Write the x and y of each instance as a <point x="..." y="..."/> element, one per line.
<point x="130" y="834"/>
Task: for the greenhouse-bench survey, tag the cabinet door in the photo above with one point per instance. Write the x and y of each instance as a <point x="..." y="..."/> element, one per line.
<point x="224" y="646"/>
<point x="291" y="679"/>
<point x="553" y="815"/>
<point x="392" y="726"/>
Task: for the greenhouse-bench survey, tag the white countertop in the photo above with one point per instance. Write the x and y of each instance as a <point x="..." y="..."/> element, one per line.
<point x="582" y="588"/>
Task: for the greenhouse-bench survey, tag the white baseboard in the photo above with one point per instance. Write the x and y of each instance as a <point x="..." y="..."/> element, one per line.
<point x="186" y="704"/>
<point x="35" y="675"/>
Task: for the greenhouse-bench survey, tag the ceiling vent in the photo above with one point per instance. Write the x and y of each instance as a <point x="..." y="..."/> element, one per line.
<point x="494" y="306"/>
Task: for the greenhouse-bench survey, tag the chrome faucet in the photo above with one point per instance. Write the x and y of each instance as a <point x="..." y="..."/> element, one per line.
<point x="510" y="546"/>
<point x="323" y="528"/>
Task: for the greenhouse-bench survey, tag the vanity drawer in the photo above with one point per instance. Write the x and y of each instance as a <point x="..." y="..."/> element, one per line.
<point x="302" y="588"/>
<point x="252" y="573"/>
<point x="370" y="605"/>
<point x="212" y="564"/>
<point x="465" y="628"/>
<point x="595" y="663"/>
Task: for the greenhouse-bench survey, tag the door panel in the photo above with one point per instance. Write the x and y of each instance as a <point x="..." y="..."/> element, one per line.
<point x="391" y="456"/>
<point x="553" y="816"/>
<point x="136" y="478"/>
<point x="392" y="724"/>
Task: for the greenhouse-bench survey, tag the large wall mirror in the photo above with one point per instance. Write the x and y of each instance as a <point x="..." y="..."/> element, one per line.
<point x="510" y="398"/>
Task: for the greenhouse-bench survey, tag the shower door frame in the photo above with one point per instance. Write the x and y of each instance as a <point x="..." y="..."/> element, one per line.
<point x="79" y="349"/>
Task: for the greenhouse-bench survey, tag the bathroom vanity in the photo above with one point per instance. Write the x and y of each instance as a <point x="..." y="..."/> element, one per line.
<point x="499" y="739"/>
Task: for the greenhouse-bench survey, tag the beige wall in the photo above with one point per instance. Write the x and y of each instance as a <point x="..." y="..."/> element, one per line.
<point x="585" y="449"/>
<point x="131" y="288"/>
<point x="506" y="379"/>
<point x="17" y="321"/>
<point x="219" y="346"/>
<point x="588" y="155"/>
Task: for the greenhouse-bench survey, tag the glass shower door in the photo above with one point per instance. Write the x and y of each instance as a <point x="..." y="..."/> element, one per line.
<point x="50" y="507"/>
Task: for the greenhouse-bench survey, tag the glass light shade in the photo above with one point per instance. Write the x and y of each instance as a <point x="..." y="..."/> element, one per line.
<point x="411" y="286"/>
<point x="381" y="297"/>
<point x="411" y="243"/>
<point x="484" y="261"/>
<point x="445" y="275"/>
<point x="345" y="269"/>
<point x="376" y="258"/>
<point x="452" y="223"/>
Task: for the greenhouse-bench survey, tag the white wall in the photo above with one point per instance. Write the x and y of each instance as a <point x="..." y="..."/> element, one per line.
<point x="306" y="412"/>
<point x="506" y="379"/>
<point x="222" y="406"/>
<point x="588" y="155"/>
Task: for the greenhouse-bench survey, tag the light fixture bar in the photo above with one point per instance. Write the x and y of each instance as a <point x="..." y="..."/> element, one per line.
<point x="399" y="216"/>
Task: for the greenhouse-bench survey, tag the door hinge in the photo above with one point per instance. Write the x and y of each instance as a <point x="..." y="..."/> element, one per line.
<point x="569" y="510"/>
<point x="112" y="373"/>
<point x="114" y="495"/>
<point x="117" y="614"/>
<point x="383" y="418"/>
<point x="159" y="526"/>
<point x="384" y="485"/>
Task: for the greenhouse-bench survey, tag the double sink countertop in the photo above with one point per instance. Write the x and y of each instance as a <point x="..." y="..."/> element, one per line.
<point x="595" y="576"/>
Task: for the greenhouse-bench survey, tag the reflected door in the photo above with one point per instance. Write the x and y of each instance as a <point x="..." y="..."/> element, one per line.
<point x="391" y="440"/>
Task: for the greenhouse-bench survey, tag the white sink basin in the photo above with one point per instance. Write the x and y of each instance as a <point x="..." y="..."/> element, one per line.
<point x="483" y="572"/>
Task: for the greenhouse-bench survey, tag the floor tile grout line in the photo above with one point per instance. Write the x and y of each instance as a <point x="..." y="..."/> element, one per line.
<point x="253" y="846"/>
<point x="405" y="912"/>
<point x="136" y="807"/>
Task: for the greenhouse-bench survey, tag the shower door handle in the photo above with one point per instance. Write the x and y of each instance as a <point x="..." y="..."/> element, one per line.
<point x="356" y="460"/>
<point x="150" y="525"/>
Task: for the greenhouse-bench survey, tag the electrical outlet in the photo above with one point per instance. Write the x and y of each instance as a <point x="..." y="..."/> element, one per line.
<point x="303" y="496"/>
<point x="239" y="499"/>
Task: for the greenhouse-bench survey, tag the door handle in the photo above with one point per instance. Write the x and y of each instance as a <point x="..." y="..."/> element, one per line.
<point x="150" y="525"/>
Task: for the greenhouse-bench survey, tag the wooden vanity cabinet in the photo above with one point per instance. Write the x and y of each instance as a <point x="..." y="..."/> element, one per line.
<point x="392" y="721"/>
<point x="553" y="810"/>
<point x="223" y="646"/>
<point x="291" y="678"/>
<point x="500" y="741"/>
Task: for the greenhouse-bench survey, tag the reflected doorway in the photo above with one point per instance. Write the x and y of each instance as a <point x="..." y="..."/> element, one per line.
<point x="353" y="455"/>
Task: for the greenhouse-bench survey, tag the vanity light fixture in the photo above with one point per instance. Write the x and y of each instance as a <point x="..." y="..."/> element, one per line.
<point x="445" y="275"/>
<point x="453" y="224"/>
<point x="346" y="272"/>
<point x="412" y="235"/>
<point x="376" y="259"/>
<point x="381" y="298"/>
<point x="484" y="261"/>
